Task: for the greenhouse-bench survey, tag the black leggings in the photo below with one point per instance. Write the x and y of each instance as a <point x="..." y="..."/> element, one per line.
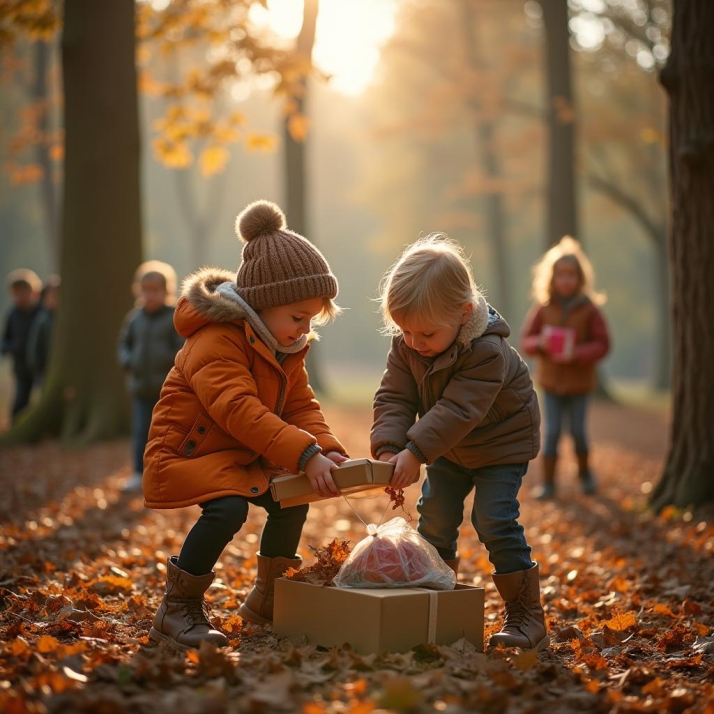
<point x="223" y="517"/>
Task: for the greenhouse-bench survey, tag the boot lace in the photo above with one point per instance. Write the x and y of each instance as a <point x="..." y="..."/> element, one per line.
<point x="518" y="611"/>
<point x="195" y="611"/>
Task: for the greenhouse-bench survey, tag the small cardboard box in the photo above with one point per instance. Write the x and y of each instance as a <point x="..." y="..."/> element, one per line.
<point x="379" y="620"/>
<point x="351" y="477"/>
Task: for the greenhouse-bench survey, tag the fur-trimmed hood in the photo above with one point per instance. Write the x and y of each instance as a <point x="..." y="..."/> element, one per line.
<point x="210" y="295"/>
<point x="484" y="320"/>
<point x="201" y="302"/>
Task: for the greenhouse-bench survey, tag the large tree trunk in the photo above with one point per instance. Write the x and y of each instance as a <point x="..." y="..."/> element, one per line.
<point x="40" y="95"/>
<point x="562" y="194"/>
<point x="295" y="170"/>
<point x="84" y="397"/>
<point x="662" y="378"/>
<point x="688" y="477"/>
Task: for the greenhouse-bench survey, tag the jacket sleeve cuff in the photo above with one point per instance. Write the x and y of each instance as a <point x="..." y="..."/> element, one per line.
<point x="307" y="455"/>
<point x="328" y="443"/>
<point x="416" y="451"/>
<point x="384" y="448"/>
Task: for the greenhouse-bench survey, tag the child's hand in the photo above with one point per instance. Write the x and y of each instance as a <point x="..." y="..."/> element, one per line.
<point x="561" y="358"/>
<point x="319" y="471"/>
<point x="406" y="469"/>
<point x="389" y="456"/>
<point x="336" y="457"/>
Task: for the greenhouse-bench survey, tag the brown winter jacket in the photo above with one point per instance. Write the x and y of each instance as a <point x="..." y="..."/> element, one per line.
<point x="592" y="343"/>
<point x="226" y="403"/>
<point x="475" y="401"/>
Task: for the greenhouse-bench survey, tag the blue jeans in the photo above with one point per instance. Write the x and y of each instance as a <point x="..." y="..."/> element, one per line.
<point x="24" y="380"/>
<point x="140" y="423"/>
<point x="558" y="407"/>
<point x="223" y="517"/>
<point x="494" y="515"/>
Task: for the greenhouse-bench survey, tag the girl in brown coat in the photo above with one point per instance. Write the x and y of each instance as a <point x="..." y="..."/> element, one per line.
<point x="567" y="334"/>
<point x="236" y="405"/>
<point x="478" y="422"/>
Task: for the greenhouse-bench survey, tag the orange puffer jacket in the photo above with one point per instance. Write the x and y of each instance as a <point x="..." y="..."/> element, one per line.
<point x="226" y="403"/>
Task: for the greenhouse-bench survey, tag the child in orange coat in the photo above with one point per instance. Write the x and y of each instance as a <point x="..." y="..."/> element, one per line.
<point x="567" y="334"/>
<point x="236" y="404"/>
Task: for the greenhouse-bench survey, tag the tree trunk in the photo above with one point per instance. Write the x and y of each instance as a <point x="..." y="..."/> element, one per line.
<point x="295" y="169"/>
<point x="562" y="195"/>
<point x="662" y="378"/>
<point x="40" y="95"/>
<point x="84" y="397"/>
<point x="688" y="77"/>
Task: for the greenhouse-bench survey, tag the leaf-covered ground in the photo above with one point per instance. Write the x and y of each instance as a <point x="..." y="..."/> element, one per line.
<point x="628" y="598"/>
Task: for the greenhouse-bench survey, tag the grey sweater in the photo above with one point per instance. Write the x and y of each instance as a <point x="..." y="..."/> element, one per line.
<point x="148" y="344"/>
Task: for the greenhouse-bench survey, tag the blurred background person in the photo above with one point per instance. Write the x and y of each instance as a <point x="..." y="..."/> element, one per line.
<point x="148" y="344"/>
<point x="39" y="340"/>
<point x="566" y="333"/>
<point x="24" y="287"/>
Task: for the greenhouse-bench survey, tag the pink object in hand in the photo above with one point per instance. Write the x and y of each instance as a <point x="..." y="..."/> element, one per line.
<point x="559" y="340"/>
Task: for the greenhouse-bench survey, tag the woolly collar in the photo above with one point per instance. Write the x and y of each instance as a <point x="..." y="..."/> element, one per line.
<point x="476" y="325"/>
<point x="213" y="293"/>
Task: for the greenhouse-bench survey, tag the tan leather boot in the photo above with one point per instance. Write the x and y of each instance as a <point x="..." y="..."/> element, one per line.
<point x="181" y="619"/>
<point x="258" y="605"/>
<point x="524" y="622"/>
<point x="585" y="475"/>
<point x="547" y="490"/>
<point x="453" y="563"/>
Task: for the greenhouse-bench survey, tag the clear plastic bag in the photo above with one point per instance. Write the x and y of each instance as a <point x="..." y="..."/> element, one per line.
<point x="394" y="555"/>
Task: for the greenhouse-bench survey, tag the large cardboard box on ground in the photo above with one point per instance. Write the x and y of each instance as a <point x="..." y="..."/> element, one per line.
<point x="379" y="620"/>
<point x="351" y="477"/>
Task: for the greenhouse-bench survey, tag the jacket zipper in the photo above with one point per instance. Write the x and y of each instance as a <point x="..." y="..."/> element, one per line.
<point x="281" y="394"/>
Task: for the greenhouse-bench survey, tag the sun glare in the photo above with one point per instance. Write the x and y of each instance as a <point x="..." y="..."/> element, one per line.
<point x="348" y="37"/>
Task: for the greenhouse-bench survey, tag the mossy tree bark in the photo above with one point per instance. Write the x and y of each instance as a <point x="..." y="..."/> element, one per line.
<point x="688" y="77"/>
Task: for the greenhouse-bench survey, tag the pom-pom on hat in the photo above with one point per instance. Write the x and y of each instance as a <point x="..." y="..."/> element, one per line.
<point x="279" y="267"/>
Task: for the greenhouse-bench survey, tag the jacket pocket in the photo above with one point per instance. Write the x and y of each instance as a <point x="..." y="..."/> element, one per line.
<point x="191" y="445"/>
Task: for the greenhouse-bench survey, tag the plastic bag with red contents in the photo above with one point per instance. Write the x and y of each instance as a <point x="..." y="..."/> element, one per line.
<point x="394" y="555"/>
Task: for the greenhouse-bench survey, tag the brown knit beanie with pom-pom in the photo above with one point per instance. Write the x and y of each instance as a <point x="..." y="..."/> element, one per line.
<point x="279" y="267"/>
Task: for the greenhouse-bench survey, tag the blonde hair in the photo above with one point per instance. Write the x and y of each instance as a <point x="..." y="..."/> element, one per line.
<point x="566" y="249"/>
<point x="156" y="270"/>
<point x="330" y="311"/>
<point x="431" y="280"/>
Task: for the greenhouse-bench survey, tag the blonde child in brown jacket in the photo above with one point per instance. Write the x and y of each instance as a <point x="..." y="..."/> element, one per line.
<point x="566" y="333"/>
<point x="478" y="422"/>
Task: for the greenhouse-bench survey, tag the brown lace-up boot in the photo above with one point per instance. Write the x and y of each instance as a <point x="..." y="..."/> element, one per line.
<point x="524" y="622"/>
<point x="182" y="619"/>
<point x="258" y="605"/>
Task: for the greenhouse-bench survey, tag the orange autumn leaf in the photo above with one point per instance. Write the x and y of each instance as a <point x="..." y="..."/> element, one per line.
<point x="621" y="621"/>
<point x="47" y="644"/>
<point x="261" y="142"/>
<point x="662" y="610"/>
<point x="298" y="126"/>
<point x="19" y="647"/>
<point x="525" y="660"/>
<point x="313" y="708"/>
